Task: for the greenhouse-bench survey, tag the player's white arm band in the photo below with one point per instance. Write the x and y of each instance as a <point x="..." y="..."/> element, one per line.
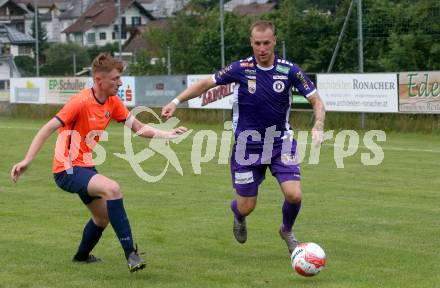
<point x="311" y="93"/>
<point x="213" y="79"/>
<point x="176" y="101"/>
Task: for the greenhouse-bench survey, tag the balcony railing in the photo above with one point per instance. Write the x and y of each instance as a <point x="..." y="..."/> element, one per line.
<point x="12" y="17"/>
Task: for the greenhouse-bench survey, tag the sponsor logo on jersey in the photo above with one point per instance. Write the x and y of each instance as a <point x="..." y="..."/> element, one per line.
<point x="251" y="77"/>
<point x="303" y="80"/>
<point x="283" y="69"/>
<point x="278" y="86"/>
<point x="107" y="114"/>
<point x="250" y="71"/>
<point x="224" y="70"/>
<point x="216" y="93"/>
<point x="252" y="86"/>
<point x="247" y="64"/>
<point x="280" y="77"/>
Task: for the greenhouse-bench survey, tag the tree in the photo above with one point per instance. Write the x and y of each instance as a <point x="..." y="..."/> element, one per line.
<point x="180" y="37"/>
<point x="303" y="33"/>
<point x="142" y="65"/>
<point x="60" y="59"/>
<point x="25" y="64"/>
<point x="42" y="39"/>
<point x="203" y="5"/>
<point x="108" y="48"/>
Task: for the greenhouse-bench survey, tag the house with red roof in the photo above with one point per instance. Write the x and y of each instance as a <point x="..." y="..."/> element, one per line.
<point x="99" y="24"/>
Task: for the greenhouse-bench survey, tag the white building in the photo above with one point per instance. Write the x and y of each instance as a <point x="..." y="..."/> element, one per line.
<point x="99" y="23"/>
<point x="71" y="10"/>
<point x="13" y="14"/>
<point x="48" y="12"/>
<point x="13" y="43"/>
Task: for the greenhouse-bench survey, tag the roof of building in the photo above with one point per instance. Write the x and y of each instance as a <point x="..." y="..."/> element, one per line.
<point x="13" y="36"/>
<point x="137" y="42"/>
<point x="20" y="5"/>
<point x="40" y="3"/>
<point x="102" y="13"/>
<point x="74" y="9"/>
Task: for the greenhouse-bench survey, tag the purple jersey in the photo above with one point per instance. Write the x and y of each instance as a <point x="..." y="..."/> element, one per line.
<point x="262" y="96"/>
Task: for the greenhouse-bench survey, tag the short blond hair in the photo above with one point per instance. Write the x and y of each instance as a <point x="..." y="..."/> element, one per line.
<point x="104" y="62"/>
<point x="262" y="25"/>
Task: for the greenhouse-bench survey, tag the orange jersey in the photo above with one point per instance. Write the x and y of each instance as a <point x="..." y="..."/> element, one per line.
<point x="84" y="118"/>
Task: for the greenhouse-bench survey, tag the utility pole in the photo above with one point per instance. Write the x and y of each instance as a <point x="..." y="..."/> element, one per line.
<point x="222" y="33"/>
<point x="222" y="43"/>
<point x="11" y="66"/>
<point x="169" y="59"/>
<point x="74" y="64"/>
<point x="360" y="50"/>
<point x="37" y="54"/>
<point x="119" y="29"/>
<point x="341" y="35"/>
<point x="360" y="39"/>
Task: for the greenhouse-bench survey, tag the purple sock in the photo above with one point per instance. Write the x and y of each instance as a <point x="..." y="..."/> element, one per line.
<point x="290" y="211"/>
<point x="234" y="209"/>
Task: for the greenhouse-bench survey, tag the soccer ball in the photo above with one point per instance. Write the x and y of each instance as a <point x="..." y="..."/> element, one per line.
<point x="308" y="259"/>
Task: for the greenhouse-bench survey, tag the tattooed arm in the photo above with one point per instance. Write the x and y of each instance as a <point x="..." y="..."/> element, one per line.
<point x="319" y="111"/>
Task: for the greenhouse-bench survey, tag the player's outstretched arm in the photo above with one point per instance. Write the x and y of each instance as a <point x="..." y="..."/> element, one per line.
<point x="35" y="147"/>
<point x="319" y="111"/>
<point x="148" y="131"/>
<point x="191" y="92"/>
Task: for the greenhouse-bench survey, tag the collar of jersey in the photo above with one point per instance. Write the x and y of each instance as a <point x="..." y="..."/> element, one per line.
<point x="261" y="67"/>
<point x="96" y="99"/>
<point x="264" y="68"/>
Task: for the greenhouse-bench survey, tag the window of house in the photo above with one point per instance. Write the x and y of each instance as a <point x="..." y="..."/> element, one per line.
<point x="77" y="37"/>
<point x="115" y="35"/>
<point x="4" y="84"/>
<point x="24" y="50"/>
<point x="102" y="36"/>
<point x="136" y="21"/>
<point x="5" y="49"/>
<point x="91" y="38"/>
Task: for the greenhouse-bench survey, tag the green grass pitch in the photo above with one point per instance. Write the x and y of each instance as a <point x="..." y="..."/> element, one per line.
<point x="379" y="225"/>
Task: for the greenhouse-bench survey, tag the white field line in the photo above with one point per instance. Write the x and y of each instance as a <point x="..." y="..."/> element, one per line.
<point x="390" y="148"/>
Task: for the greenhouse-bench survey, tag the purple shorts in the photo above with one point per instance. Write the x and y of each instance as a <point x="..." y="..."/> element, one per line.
<point x="248" y="166"/>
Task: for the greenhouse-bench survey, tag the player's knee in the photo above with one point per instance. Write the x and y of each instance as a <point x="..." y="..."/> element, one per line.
<point x="248" y="210"/>
<point x="294" y="196"/>
<point x="113" y="191"/>
<point x="247" y="207"/>
<point x="101" y="221"/>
